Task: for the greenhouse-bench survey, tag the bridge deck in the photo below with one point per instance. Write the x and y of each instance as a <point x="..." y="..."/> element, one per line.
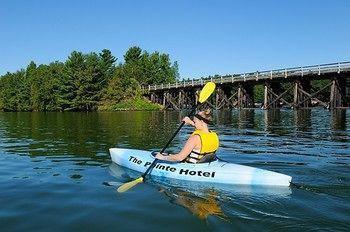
<point x="257" y="76"/>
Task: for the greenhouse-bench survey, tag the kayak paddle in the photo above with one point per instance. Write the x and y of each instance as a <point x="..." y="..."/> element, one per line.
<point x="207" y="90"/>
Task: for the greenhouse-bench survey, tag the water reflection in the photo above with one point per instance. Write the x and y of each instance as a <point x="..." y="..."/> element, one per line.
<point x="84" y="134"/>
<point x="201" y="199"/>
<point x="338" y="119"/>
<point x="246" y="119"/>
<point x="200" y="206"/>
<point x="59" y="155"/>
<point x="273" y="120"/>
<point x="302" y="120"/>
<point x="92" y="134"/>
<point x="223" y="117"/>
<point x="282" y="122"/>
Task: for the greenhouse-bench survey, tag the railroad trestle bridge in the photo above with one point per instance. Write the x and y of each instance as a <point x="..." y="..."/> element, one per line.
<point x="289" y="87"/>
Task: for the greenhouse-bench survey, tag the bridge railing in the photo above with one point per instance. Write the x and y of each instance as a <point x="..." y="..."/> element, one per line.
<point x="259" y="75"/>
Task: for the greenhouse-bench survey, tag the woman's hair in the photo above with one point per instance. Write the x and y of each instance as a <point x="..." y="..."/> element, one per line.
<point x="206" y="113"/>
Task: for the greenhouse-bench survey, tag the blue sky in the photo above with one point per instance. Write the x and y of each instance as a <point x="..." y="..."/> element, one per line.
<point x="205" y="37"/>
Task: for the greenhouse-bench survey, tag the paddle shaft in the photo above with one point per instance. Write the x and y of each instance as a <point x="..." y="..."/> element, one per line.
<point x="167" y="144"/>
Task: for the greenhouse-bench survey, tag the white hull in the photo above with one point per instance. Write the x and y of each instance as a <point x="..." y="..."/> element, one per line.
<point x="214" y="172"/>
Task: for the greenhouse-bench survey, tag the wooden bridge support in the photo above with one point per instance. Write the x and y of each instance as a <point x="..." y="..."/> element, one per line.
<point x="177" y="100"/>
<point x="338" y="93"/>
<point x="225" y="98"/>
<point x="156" y="98"/>
<point x="191" y="98"/>
<point x="170" y="100"/>
<point x="186" y="99"/>
<point x="236" y="91"/>
<point x="272" y="95"/>
<point x="307" y="92"/>
<point x="303" y="97"/>
<point x="301" y="94"/>
<point x="245" y="96"/>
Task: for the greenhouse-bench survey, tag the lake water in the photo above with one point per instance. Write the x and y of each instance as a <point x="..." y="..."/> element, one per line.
<point x="56" y="173"/>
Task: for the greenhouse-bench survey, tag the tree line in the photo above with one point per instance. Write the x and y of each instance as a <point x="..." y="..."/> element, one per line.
<point x="85" y="82"/>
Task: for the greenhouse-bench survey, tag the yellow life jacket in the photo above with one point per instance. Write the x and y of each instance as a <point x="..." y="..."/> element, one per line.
<point x="209" y="145"/>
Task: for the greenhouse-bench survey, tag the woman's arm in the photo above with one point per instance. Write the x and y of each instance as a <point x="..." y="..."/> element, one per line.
<point x="188" y="121"/>
<point x="186" y="150"/>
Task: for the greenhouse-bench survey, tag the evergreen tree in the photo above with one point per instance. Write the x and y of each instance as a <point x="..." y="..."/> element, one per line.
<point x="8" y="92"/>
<point x="84" y="80"/>
<point x="133" y="55"/>
<point x="35" y="83"/>
<point x="90" y="87"/>
<point x="107" y="63"/>
<point x="45" y="87"/>
<point x="23" y="91"/>
<point x="73" y="73"/>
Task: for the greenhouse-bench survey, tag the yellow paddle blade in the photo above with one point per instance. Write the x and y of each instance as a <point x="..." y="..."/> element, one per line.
<point x="125" y="187"/>
<point x="207" y="90"/>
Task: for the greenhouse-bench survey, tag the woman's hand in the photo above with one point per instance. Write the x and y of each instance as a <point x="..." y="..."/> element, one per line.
<point x="160" y="156"/>
<point x="188" y="121"/>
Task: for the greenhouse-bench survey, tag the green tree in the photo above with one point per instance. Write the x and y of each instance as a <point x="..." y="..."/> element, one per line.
<point x="107" y="63"/>
<point x="133" y="55"/>
<point x="45" y="87"/>
<point x="73" y="74"/>
<point x="8" y="92"/>
<point x="84" y="81"/>
<point x="91" y="84"/>
<point x="35" y="84"/>
<point x="15" y="92"/>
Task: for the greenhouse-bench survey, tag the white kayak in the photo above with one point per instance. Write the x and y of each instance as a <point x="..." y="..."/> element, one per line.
<point x="214" y="172"/>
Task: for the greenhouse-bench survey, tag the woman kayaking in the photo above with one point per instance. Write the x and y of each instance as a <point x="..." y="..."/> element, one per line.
<point x="201" y="145"/>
